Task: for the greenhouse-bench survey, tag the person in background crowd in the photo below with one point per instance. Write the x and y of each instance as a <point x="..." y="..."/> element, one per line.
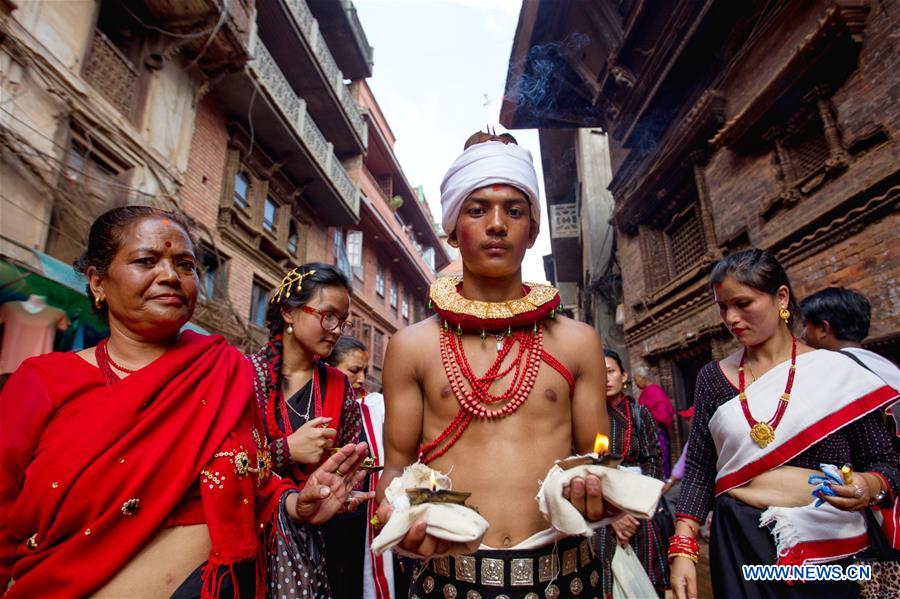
<point x="838" y="319"/>
<point x="633" y="436"/>
<point x="352" y="571"/>
<point x="655" y="399"/>
<point x="307" y="405"/>
<point x="766" y="418"/>
<point x="138" y="465"/>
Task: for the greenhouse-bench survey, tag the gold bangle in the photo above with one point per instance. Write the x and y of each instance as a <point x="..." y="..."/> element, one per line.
<point x="690" y="556"/>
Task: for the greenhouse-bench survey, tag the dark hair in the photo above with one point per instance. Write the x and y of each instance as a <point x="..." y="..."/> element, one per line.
<point x="848" y="312"/>
<point x="299" y="293"/>
<point x="344" y="346"/>
<point x="609" y="353"/>
<point x="105" y="238"/>
<point x="759" y="270"/>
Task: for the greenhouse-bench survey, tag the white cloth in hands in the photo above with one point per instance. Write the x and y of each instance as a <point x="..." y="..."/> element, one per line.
<point x="632" y="493"/>
<point x="461" y="525"/>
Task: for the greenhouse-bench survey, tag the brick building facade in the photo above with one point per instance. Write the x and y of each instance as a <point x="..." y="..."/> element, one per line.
<point x="732" y="125"/>
<point x="250" y="118"/>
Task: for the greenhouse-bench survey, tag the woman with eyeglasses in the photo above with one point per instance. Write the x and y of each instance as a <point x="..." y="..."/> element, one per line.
<point x="307" y="406"/>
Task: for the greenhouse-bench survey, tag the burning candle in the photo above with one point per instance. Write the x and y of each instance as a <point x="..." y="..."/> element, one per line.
<point x="600" y="456"/>
<point x="432" y="494"/>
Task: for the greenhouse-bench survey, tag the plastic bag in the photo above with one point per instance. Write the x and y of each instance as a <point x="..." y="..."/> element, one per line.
<point x="630" y="581"/>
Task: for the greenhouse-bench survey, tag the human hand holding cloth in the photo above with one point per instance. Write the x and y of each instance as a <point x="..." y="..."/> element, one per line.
<point x="461" y="525"/>
<point x="632" y="493"/>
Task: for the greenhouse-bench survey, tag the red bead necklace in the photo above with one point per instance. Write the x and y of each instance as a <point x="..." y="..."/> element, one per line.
<point x="763" y="433"/>
<point x="473" y="392"/>
<point x="106" y="363"/>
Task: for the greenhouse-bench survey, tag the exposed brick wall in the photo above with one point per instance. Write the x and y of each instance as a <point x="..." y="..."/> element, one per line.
<point x="868" y="262"/>
<point x="741" y="183"/>
<point x="209" y="149"/>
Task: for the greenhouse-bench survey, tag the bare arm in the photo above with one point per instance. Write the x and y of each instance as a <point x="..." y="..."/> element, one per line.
<point x="589" y="415"/>
<point x="403" y="406"/>
<point x="404" y="409"/>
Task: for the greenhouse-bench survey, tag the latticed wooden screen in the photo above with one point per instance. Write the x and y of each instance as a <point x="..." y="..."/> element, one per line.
<point x="653" y="256"/>
<point x="111" y="74"/>
<point x="808" y="149"/>
<point x="686" y="241"/>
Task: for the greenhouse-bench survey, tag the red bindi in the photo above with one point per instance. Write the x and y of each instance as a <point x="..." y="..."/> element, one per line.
<point x="497" y="187"/>
<point x="166" y="222"/>
<point x="168" y="244"/>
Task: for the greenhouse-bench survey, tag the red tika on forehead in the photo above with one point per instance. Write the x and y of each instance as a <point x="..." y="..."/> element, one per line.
<point x="496" y="187"/>
<point x="166" y="222"/>
<point x="168" y="244"/>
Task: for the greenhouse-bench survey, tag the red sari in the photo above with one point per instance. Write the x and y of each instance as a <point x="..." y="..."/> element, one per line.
<point x="76" y="452"/>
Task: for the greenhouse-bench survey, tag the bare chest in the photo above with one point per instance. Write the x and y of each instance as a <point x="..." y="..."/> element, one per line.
<point x="495" y="374"/>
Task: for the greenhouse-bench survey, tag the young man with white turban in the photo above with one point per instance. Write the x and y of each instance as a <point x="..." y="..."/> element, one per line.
<point x="514" y="387"/>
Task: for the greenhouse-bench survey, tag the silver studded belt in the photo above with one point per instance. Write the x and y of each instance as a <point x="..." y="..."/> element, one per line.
<point x="565" y="569"/>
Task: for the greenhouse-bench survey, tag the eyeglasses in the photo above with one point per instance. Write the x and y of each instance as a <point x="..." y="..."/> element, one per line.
<point x="329" y="321"/>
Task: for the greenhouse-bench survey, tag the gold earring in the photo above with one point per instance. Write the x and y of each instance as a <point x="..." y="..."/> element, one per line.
<point x="98" y="303"/>
<point x="784" y="314"/>
<point x="290" y="329"/>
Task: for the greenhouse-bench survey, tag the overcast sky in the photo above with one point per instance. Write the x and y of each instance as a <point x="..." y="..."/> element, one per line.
<point x="440" y="70"/>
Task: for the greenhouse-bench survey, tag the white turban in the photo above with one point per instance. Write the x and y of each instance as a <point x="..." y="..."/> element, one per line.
<point x="483" y="164"/>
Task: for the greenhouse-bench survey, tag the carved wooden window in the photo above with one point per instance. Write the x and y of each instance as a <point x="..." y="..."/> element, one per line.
<point x="808" y="151"/>
<point x="674" y="248"/>
<point x="686" y="244"/>
<point x="804" y="150"/>
<point x="378" y="349"/>
<point x="114" y="65"/>
<point x="653" y="258"/>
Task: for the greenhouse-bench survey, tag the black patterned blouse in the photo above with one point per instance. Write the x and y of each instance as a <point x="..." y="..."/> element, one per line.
<point x="649" y="544"/>
<point x="864" y="443"/>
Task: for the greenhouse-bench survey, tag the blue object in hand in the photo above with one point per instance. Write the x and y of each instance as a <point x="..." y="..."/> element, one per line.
<point x="831" y="476"/>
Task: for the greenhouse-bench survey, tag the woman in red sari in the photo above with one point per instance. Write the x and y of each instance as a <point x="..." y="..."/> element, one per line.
<point x="307" y="406"/>
<point x="141" y="463"/>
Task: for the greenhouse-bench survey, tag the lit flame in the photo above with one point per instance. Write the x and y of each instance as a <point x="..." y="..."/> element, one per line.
<point x="601" y="444"/>
<point x="433" y="483"/>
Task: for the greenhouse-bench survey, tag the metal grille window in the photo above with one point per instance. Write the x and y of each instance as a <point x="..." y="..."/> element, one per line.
<point x="686" y="242"/>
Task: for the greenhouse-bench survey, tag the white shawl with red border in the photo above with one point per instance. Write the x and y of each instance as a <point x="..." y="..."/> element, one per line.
<point x="830" y="391"/>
